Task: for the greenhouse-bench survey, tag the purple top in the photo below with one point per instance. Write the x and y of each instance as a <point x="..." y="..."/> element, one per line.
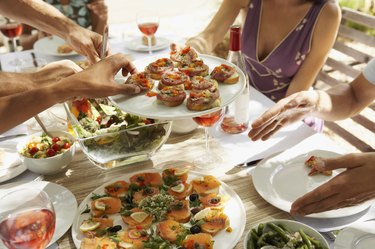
<point x="273" y="74"/>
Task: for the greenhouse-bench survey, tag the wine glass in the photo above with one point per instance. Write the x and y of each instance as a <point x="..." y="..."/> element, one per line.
<point x="148" y="24"/>
<point x="27" y="219"/>
<point x="11" y="29"/>
<point x="208" y="160"/>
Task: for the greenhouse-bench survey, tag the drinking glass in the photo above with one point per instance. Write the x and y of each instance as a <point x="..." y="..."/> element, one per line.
<point x="11" y="29"/>
<point x="208" y="160"/>
<point x="148" y="24"/>
<point x="27" y="219"/>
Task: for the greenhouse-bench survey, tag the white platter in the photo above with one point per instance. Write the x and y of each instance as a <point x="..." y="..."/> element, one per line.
<point x="280" y="180"/>
<point x="49" y="45"/>
<point x="136" y="44"/>
<point x="234" y="209"/>
<point x="148" y="107"/>
<point x="64" y="203"/>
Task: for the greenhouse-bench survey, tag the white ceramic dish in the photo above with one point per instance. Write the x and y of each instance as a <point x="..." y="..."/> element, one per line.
<point x="293" y="226"/>
<point x="358" y="236"/>
<point x="234" y="209"/>
<point x="280" y="180"/>
<point x="136" y="44"/>
<point x="64" y="202"/>
<point x="148" y="107"/>
<point x="49" y="45"/>
<point x="49" y="165"/>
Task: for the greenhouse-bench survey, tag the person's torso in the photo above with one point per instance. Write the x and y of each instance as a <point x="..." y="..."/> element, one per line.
<point x="272" y="73"/>
<point x="74" y="9"/>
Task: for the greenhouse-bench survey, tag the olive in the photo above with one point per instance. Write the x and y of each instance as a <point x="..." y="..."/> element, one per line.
<point x="114" y="229"/>
<point x="195" y="229"/>
<point x="193" y="197"/>
<point x="195" y="210"/>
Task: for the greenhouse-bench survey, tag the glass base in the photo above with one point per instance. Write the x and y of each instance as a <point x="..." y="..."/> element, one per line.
<point x="207" y="162"/>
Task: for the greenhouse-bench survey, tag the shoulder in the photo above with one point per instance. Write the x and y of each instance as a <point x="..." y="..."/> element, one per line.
<point x="331" y="11"/>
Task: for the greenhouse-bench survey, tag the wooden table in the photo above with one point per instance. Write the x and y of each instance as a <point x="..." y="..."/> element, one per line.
<point x="82" y="177"/>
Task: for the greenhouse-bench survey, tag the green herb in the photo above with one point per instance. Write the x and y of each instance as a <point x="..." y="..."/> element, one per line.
<point x="87" y="210"/>
<point x="195" y="203"/>
<point x="156" y="205"/>
<point x="96" y="196"/>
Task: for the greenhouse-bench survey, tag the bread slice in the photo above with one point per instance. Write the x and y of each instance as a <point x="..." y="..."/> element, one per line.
<point x="232" y="79"/>
<point x="191" y="105"/>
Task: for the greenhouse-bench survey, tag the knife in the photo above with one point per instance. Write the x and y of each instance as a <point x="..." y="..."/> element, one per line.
<point x="104" y="43"/>
<point x="11" y="137"/>
<point x="249" y="164"/>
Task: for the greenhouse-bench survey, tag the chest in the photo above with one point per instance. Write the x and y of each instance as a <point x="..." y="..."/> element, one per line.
<point x="276" y="23"/>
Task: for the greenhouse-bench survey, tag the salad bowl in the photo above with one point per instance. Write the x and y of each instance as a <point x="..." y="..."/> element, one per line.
<point x="110" y="137"/>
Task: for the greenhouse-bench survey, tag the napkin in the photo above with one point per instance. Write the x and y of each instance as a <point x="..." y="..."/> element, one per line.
<point x="8" y="155"/>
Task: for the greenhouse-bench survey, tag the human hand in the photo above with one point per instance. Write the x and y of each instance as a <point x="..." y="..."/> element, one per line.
<point x="54" y="72"/>
<point x="198" y="43"/>
<point x="99" y="10"/>
<point x="98" y="80"/>
<point x="286" y="111"/>
<point x="353" y="186"/>
<point x="85" y="42"/>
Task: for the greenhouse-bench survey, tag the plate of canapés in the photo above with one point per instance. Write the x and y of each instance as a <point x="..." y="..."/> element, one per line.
<point x="173" y="208"/>
<point x="181" y="85"/>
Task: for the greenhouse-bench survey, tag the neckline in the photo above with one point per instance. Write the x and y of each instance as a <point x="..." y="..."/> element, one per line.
<point x="282" y="41"/>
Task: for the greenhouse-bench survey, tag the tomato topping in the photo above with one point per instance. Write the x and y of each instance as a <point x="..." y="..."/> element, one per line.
<point x="55" y="139"/>
<point x="66" y="146"/>
<point x="51" y="152"/>
<point x="56" y="147"/>
<point x="33" y="150"/>
<point x="139" y="227"/>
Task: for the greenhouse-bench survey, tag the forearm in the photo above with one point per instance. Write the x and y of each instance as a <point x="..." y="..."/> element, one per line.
<point x="17" y="108"/>
<point x="12" y="83"/>
<point x="38" y="14"/>
<point x="345" y="100"/>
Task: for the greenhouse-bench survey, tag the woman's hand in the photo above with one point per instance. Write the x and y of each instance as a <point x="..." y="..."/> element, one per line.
<point x="353" y="186"/>
<point x="98" y="80"/>
<point x="286" y="111"/>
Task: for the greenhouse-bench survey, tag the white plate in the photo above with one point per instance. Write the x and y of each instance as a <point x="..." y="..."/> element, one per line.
<point x="148" y="107"/>
<point x="234" y="209"/>
<point x="358" y="236"/>
<point x="10" y="164"/>
<point x="64" y="203"/>
<point x="137" y="45"/>
<point x="280" y="180"/>
<point x="49" y="45"/>
<point x="292" y="226"/>
<point x="12" y="172"/>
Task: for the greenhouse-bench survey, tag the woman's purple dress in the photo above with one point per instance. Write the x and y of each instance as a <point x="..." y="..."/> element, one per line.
<point x="273" y="74"/>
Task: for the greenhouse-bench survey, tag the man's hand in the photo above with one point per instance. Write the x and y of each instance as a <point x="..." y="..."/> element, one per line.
<point x="353" y="186"/>
<point x="286" y="111"/>
<point x="98" y="80"/>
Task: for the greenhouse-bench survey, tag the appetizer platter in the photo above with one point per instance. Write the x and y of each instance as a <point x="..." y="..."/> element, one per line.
<point x="172" y="208"/>
<point x="182" y="84"/>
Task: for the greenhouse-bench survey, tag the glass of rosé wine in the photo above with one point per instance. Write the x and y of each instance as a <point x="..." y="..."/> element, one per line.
<point x="148" y="24"/>
<point x="209" y="160"/>
<point x="27" y="219"/>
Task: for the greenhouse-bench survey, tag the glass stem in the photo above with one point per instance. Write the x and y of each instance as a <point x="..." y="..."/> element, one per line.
<point x="149" y="44"/>
<point x="207" y="140"/>
<point x="14" y="44"/>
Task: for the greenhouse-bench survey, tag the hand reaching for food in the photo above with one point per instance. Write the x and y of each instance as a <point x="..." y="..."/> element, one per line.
<point x="183" y="55"/>
<point x="353" y="186"/>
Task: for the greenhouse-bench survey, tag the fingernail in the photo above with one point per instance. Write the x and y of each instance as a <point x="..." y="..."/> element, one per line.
<point x="137" y="90"/>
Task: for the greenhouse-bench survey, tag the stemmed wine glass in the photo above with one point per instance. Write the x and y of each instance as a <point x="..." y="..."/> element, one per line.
<point x="11" y="29"/>
<point x="148" y="24"/>
<point x="27" y="219"/>
<point x="208" y="160"/>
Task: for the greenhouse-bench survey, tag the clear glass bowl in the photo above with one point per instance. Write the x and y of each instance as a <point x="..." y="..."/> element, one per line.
<point x="122" y="147"/>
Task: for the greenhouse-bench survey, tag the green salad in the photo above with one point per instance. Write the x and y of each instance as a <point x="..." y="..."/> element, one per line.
<point x="107" y="133"/>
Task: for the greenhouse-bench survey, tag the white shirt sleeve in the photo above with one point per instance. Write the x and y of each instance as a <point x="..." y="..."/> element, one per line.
<point x="369" y="72"/>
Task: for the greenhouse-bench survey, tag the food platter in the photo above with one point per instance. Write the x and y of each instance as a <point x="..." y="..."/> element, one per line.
<point x="234" y="209"/>
<point x="272" y="174"/>
<point x="148" y="107"/>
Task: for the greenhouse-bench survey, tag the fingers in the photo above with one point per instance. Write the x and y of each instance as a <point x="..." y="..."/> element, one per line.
<point x="346" y="161"/>
<point x="130" y="89"/>
<point x="119" y="61"/>
<point x="173" y="46"/>
<point x="259" y="133"/>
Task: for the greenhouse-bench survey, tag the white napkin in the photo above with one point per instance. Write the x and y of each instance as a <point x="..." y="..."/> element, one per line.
<point x="8" y="154"/>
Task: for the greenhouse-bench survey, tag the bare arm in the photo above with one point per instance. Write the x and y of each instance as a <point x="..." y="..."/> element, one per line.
<point x="345" y="100"/>
<point x="206" y="41"/>
<point x="46" y="18"/>
<point x="96" y="81"/>
<point x="99" y="15"/>
<point x="339" y="102"/>
<point x="323" y="38"/>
